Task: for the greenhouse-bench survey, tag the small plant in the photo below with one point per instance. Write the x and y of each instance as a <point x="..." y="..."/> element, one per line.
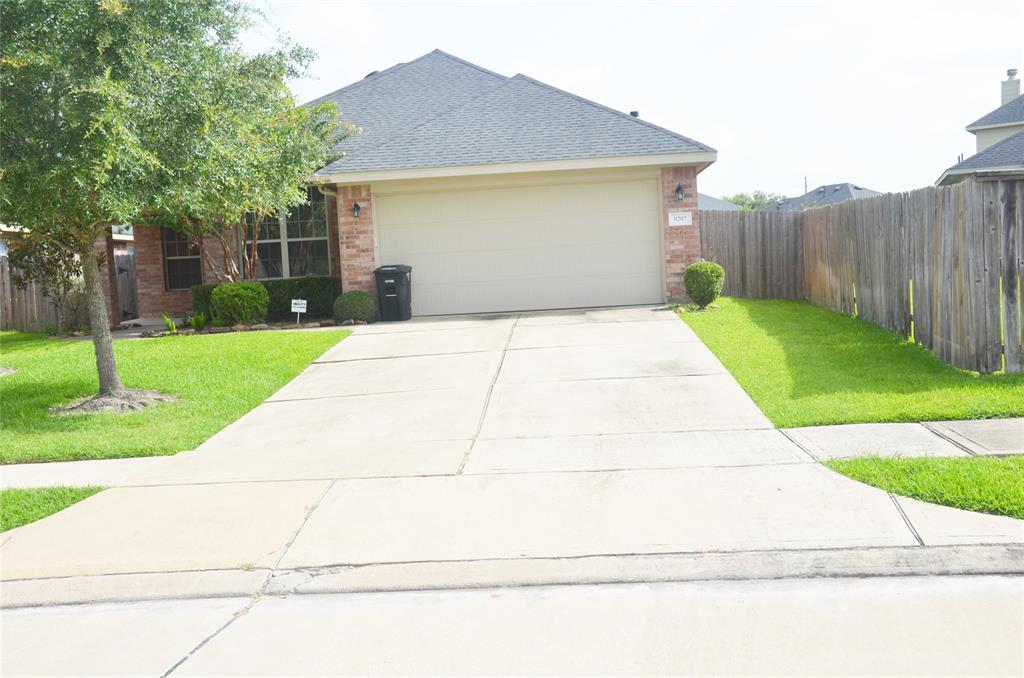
<point x="703" y="281"/>
<point x="355" y="305"/>
<point x="169" y="323"/>
<point x="240" y="302"/>
<point x="201" y="299"/>
<point x="198" y="322"/>
<point x="50" y="329"/>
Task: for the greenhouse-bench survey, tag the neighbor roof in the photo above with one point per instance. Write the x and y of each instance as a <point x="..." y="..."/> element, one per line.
<point x="440" y="111"/>
<point x="1007" y="114"/>
<point x="1007" y="154"/>
<point x="828" y="194"/>
<point x="707" y="202"/>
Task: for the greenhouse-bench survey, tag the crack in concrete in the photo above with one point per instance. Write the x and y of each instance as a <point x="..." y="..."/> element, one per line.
<point x="256" y="597"/>
<point x="487" y="398"/>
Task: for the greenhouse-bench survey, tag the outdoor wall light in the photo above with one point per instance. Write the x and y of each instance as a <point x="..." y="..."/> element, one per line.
<point x="680" y="194"/>
<point x="356" y="209"/>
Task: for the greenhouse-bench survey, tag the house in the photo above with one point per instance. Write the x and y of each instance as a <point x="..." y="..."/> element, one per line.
<point x="707" y="202"/>
<point x="999" y="137"/>
<point x="503" y="193"/>
<point x="829" y="194"/>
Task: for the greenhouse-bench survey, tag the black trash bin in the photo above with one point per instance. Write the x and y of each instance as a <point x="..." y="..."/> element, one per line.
<point x="394" y="292"/>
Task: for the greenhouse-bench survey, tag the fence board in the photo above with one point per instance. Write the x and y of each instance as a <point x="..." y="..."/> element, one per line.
<point x="28" y="309"/>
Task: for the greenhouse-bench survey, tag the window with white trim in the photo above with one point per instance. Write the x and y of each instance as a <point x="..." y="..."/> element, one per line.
<point x="183" y="268"/>
<point x="292" y="245"/>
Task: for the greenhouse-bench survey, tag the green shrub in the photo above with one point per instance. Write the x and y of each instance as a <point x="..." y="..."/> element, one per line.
<point x="355" y="305"/>
<point x="240" y="302"/>
<point x="201" y="299"/>
<point x="50" y="329"/>
<point x="319" y="292"/>
<point x="169" y="323"/>
<point x="703" y="281"/>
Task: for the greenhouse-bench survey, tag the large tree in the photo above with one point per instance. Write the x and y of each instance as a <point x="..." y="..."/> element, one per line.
<point x="118" y="112"/>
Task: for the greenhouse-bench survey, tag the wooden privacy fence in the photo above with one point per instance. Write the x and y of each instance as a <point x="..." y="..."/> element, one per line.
<point x="26" y="309"/>
<point x="762" y="252"/>
<point x="944" y="265"/>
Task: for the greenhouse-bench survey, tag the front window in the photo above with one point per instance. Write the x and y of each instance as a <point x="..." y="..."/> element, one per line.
<point x="182" y="266"/>
<point x="292" y="245"/>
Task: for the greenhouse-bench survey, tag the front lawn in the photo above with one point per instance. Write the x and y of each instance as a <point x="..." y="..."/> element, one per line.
<point x="18" y="507"/>
<point x="804" y="365"/>
<point x="214" y="378"/>
<point x="986" y="484"/>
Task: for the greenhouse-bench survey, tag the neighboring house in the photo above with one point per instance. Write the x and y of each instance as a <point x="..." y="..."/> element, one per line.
<point x="829" y="194"/>
<point x="999" y="137"/>
<point x="707" y="202"/>
<point x="503" y="194"/>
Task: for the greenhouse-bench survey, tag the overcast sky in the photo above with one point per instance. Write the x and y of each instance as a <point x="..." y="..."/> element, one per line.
<point x="875" y="94"/>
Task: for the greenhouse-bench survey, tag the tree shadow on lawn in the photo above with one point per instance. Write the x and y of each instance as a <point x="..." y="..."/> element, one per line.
<point x="831" y="354"/>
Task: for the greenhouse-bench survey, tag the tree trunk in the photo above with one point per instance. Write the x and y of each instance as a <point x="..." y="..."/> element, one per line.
<point x="103" y="343"/>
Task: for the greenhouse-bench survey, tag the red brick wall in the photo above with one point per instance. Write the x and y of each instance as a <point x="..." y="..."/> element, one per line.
<point x="153" y="295"/>
<point x="356" y="239"/>
<point x="682" y="243"/>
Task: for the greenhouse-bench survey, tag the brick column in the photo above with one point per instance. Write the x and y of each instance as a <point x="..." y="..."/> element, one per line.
<point x="682" y="243"/>
<point x="356" y="239"/>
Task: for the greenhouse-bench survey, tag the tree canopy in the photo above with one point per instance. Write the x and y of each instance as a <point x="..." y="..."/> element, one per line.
<point x="145" y="112"/>
<point x="758" y="200"/>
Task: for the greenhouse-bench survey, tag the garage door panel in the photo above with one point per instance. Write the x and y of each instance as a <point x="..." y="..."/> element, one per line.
<point x="552" y="246"/>
<point x="491" y="296"/>
<point x="555" y="200"/>
<point x="495" y="233"/>
<point x="523" y="264"/>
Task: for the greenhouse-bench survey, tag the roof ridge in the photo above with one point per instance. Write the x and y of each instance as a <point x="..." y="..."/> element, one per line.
<point x="372" y="77"/>
<point x="609" y="109"/>
<point x="391" y="69"/>
<point x="443" y="113"/>
<point x="469" y="63"/>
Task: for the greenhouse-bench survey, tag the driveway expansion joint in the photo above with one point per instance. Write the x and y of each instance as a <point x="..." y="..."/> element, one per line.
<point x="906" y="518"/>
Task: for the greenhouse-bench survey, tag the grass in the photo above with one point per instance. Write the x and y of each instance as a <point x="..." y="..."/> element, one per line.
<point x="804" y="365"/>
<point x="985" y="484"/>
<point x="214" y="378"/>
<point x="18" y="507"/>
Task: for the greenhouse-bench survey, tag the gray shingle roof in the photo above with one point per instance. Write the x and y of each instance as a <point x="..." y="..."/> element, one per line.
<point x="1008" y="153"/>
<point x="1010" y="112"/>
<point x="828" y="194"/>
<point x="387" y="103"/>
<point x="707" y="202"/>
<point x="454" y="113"/>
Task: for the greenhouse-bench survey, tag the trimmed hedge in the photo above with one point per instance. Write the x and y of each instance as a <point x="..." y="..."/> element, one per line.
<point x="319" y="292"/>
<point x="703" y="281"/>
<point x="201" y="300"/>
<point x="355" y="305"/>
<point x="239" y="302"/>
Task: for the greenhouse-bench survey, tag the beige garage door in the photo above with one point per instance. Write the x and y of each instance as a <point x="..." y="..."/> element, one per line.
<point x="523" y="248"/>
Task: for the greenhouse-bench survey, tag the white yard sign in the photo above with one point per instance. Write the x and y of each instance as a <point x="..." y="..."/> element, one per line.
<point x="680" y="218"/>
<point x="298" y="306"/>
